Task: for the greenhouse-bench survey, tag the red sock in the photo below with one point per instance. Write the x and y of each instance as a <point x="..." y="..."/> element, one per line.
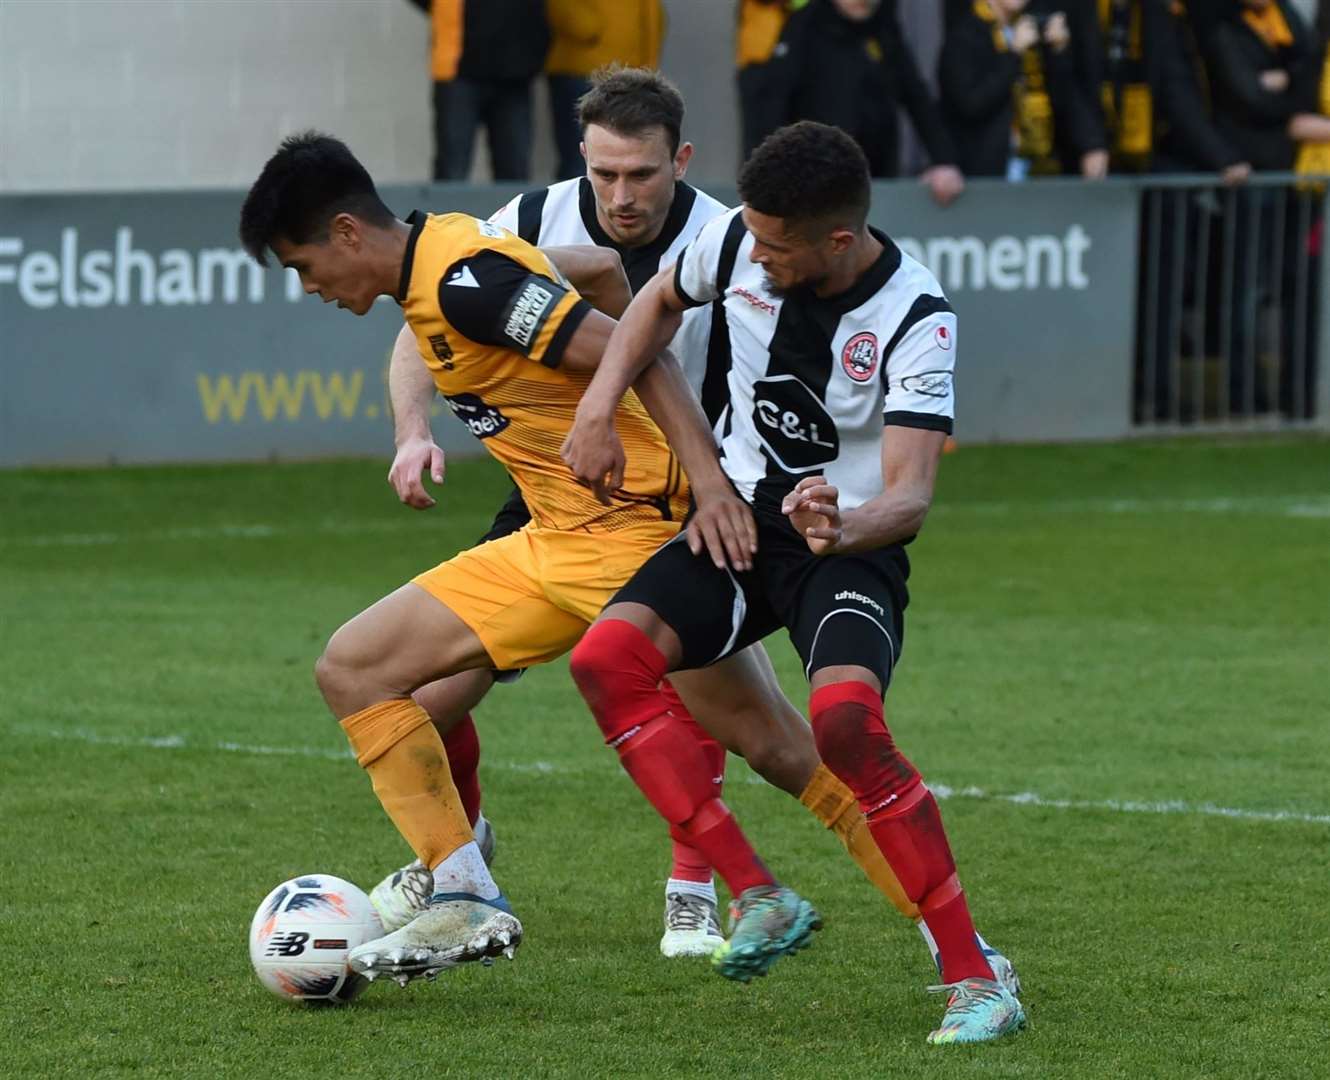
<point x="689" y="864"/>
<point x="463" y="747"/>
<point x="619" y="670"/>
<point x="902" y="815"/>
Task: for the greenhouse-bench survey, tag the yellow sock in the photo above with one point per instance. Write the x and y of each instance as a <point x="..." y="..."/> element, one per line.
<point x="833" y="804"/>
<point x="397" y="745"/>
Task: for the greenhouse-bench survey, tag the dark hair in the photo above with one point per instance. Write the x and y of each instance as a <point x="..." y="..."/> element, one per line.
<point x="310" y="180"/>
<point x="805" y="172"/>
<point x="629" y="100"/>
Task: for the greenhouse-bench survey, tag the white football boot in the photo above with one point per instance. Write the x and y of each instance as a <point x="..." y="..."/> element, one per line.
<point x="456" y="928"/>
<point x="405" y="893"/>
<point x="692" y="927"/>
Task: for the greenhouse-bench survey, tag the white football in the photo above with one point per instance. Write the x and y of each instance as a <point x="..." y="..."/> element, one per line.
<point x="300" y="936"/>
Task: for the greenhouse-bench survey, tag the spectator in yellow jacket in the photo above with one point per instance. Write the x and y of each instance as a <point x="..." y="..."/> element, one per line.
<point x="586" y="35"/>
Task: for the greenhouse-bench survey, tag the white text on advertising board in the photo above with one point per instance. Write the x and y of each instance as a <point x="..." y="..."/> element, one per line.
<point x="124" y="275"/>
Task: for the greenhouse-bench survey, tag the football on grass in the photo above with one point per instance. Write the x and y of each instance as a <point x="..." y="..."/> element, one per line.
<point x="301" y="934"/>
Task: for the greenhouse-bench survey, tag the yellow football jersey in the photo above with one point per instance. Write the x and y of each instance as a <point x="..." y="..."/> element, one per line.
<point x="492" y="316"/>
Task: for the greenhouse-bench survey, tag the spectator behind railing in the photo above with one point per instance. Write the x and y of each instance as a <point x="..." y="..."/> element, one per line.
<point x="1185" y="136"/>
<point x="1312" y="130"/>
<point x="1264" y="65"/>
<point x="846" y="63"/>
<point x="1007" y="77"/>
<point x="483" y="57"/>
<point x="590" y="34"/>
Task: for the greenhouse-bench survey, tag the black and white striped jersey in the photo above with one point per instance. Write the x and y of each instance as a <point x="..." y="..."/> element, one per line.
<point x="812" y="381"/>
<point x="565" y="213"/>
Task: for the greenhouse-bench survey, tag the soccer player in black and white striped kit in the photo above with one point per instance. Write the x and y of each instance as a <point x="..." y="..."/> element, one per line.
<point x="634" y="201"/>
<point x="840" y="396"/>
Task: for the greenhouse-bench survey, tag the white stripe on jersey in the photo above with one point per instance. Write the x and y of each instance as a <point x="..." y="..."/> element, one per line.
<point x="562" y="222"/>
<point x="813" y="381"/>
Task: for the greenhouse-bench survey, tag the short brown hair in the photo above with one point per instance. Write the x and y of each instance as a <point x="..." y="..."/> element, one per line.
<point x="629" y="100"/>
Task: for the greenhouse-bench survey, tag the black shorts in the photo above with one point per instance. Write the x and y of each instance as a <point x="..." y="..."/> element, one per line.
<point x="838" y="609"/>
<point x="512" y="516"/>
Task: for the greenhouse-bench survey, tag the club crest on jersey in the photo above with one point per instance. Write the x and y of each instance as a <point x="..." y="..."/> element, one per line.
<point x="859" y="357"/>
<point x="443" y="352"/>
<point x="943" y="338"/>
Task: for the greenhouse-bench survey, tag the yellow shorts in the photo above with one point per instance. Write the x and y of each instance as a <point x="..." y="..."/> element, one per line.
<point x="530" y="596"/>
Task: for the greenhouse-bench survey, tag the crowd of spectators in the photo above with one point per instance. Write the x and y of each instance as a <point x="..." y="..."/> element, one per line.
<point x="1020" y="89"/>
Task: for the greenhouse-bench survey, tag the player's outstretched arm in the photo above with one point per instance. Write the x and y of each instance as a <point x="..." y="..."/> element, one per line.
<point x="592" y="449"/>
<point x="909" y="471"/>
<point x="595" y="272"/>
<point x="722" y="523"/>
<point x="411" y="391"/>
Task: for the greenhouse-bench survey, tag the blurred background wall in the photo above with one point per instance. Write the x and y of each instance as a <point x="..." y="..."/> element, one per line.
<point x="145" y="94"/>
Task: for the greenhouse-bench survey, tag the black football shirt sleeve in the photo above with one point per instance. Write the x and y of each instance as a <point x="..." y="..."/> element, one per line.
<point x="494" y="300"/>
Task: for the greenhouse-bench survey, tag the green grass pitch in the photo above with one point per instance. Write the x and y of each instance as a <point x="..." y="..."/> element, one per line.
<point x="1107" y="647"/>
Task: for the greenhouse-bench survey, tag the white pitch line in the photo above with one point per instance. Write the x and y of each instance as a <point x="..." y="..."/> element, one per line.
<point x="546" y="768"/>
<point x="1290" y="506"/>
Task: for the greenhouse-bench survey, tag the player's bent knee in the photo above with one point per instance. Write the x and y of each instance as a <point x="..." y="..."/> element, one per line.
<point x="345" y="674"/>
<point x="784" y="763"/>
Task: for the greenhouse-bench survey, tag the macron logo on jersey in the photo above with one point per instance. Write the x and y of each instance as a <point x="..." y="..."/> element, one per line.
<point x="464" y="278"/>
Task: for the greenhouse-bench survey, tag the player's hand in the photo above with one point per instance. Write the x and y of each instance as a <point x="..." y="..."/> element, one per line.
<point x="1024" y="34"/>
<point x="414" y="457"/>
<point x="1057" y="35"/>
<point x="722" y="525"/>
<point x="813" y="508"/>
<point x="594" y="453"/>
<point x="944" y="182"/>
<point x="1094" y="164"/>
<point x="1236" y="174"/>
<point x="1274" y="81"/>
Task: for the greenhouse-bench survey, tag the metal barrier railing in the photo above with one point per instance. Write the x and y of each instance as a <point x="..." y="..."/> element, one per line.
<point x="1230" y="328"/>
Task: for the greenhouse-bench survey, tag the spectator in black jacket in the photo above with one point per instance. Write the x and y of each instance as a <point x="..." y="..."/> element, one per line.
<point x="1264" y="69"/>
<point x="1186" y="137"/>
<point x="1007" y="80"/>
<point x="483" y="57"/>
<point x="846" y="62"/>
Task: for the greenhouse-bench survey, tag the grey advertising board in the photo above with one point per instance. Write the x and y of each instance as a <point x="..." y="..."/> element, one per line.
<point x="134" y="329"/>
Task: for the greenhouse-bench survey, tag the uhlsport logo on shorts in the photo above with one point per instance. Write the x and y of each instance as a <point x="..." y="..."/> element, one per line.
<point x="859" y="357"/>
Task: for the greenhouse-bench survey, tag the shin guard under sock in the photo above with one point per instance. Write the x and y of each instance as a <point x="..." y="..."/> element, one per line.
<point x="687" y="863"/>
<point x="902" y="816"/>
<point x="619" y="670"/>
<point x="397" y="745"/>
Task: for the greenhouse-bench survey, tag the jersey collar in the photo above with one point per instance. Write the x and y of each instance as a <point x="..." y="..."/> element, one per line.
<point x="416" y="219"/>
<point x="876" y="276"/>
<point x="680" y="208"/>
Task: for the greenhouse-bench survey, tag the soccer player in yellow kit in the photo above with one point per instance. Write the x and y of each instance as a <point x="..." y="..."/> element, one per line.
<point x="511" y="346"/>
